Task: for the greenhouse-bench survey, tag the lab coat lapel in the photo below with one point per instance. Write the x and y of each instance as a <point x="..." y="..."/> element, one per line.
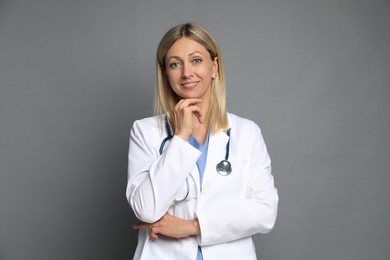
<point x="216" y="153"/>
<point x="195" y="177"/>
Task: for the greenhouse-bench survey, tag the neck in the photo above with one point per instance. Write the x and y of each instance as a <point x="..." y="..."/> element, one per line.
<point x="205" y="106"/>
<point x="205" y="111"/>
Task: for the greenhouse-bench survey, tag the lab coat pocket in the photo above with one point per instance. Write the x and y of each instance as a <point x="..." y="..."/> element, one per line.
<point x="232" y="186"/>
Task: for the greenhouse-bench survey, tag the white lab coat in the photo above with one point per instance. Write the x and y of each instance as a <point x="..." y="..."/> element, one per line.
<point x="230" y="209"/>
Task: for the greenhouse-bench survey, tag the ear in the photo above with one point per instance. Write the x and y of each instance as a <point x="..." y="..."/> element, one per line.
<point x="215" y="67"/>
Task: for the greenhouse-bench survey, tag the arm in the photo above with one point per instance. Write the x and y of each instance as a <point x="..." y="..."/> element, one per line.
<point x="171" y="227"/>
<point x="153" y="180"/>
<point x="256" y="213"/>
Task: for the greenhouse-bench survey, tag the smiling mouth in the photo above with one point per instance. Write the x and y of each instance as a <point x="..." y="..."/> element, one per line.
<point x="190" y="84"/>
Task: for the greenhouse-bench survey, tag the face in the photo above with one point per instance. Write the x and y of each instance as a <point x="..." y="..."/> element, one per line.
<point x="190" y="69"/>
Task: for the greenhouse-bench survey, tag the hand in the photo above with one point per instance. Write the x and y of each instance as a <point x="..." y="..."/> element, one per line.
<point x="171" y="227"/>
<point x="184" y="113"/>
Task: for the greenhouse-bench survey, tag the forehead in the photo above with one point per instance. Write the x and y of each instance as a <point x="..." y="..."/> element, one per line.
<point x="184" y="47"/>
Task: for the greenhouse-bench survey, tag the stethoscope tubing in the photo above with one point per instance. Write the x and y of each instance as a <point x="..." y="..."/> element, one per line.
<point x="224" y="167"/>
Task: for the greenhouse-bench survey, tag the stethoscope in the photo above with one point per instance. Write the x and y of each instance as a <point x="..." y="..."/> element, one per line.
<point x="224" y="167"/>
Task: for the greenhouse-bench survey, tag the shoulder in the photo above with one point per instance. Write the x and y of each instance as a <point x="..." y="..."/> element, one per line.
<point x="247" y="132"/>
<point x="152" y="121"/>
<point x="241" y="123"/>
<point x="147" y="126"/>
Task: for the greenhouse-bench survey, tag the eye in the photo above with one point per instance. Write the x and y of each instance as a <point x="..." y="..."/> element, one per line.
<point x="197" y="60"/>
<point x="174" y="65"/>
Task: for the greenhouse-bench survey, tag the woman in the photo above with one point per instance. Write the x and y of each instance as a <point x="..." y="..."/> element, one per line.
<point x="199" y="178"/>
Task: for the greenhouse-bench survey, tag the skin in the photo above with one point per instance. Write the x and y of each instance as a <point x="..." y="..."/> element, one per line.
<point x="171" y="227"/>
<point x="190" y="71"/>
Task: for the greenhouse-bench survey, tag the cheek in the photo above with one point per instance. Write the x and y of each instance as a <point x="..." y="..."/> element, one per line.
<point x="172" y="78"/>
<point x="208" y="71"/>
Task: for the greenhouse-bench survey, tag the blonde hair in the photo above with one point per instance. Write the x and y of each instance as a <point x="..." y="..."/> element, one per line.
<point x="166" y="98"/>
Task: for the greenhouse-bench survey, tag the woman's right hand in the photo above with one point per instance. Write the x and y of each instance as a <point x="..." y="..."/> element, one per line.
<point x="171" y="227"/>
<point x="184" y="114"/>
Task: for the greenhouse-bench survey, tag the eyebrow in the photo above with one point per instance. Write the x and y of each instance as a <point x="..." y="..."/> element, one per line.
<point x="192" y="53"/>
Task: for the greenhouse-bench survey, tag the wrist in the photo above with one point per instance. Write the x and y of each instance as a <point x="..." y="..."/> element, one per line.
<point x="195" y="227"/>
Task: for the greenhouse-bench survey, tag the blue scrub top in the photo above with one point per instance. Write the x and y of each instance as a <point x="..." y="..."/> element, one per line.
<point x="201" y="164"/>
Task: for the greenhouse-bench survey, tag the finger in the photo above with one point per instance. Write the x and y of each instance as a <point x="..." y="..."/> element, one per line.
<point x="199" y="116"/>
<point x="188" y="110"/>
<point x="153" y="233"/>
<point x="140" y="225"/>
<point x="154" y="236"/>
<point x="166" y="237"/>
<point x="187" y="102"/>
<point x="190" y="101"/>
<point x="195" y="110"/>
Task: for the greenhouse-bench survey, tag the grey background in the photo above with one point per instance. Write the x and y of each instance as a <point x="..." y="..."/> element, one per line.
<point x="75" y="74"/>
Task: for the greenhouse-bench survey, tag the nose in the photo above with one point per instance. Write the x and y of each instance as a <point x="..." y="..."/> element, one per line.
<point x="186" y="71"/>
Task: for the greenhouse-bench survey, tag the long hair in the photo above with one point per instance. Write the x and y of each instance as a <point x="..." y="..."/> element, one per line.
<point x="166" y="98"/>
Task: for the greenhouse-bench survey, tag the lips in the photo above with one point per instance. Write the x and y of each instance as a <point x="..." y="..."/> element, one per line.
<point x="190" y="84"/>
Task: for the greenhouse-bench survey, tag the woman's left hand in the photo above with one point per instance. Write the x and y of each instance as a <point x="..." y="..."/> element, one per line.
<point x="171" y="227"/>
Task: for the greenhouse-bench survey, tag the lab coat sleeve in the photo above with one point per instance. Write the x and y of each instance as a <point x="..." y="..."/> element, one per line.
<point x="154" y="179"/>
<point x="256" y="213"/>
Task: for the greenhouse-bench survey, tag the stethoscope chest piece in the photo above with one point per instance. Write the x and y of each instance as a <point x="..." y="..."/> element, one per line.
<point x="224" y="168"/>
